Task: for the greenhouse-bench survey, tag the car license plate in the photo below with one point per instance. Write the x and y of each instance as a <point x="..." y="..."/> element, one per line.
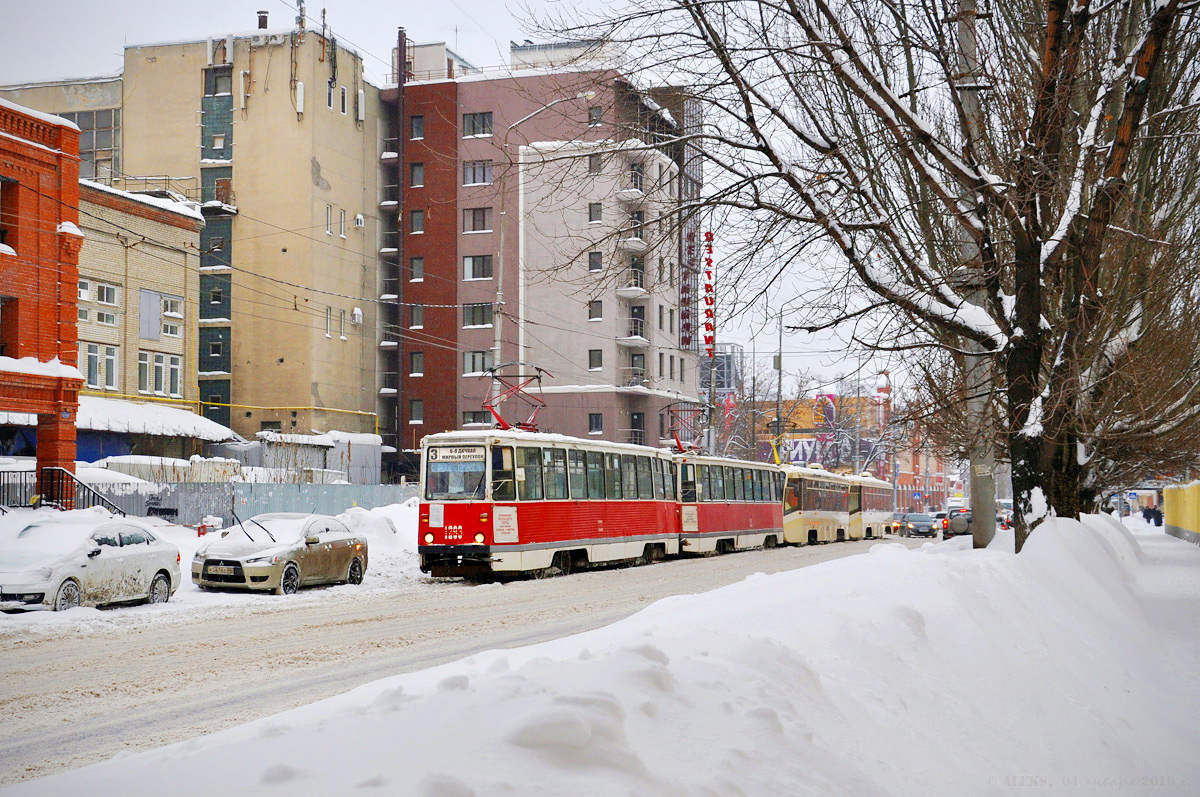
<point x="220" y="570"/>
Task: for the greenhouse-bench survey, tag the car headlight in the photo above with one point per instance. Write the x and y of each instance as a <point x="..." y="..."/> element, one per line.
<point x="911" y="526"/>
<point x="42" y="573"/>
<point x="262" y="560"/>
<point x="198" y="557"/>
<point x="429" y="538"/>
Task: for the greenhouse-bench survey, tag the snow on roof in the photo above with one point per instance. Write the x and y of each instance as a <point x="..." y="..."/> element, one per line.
<point x="357" y="438"/>
<point x="323" y="440"/>
<point x="182" y="208"/>
<point x="115" y="415"/>
<point x="49" y="118"/>
<point x="35" y="367"/>
<point x="470" y="435"/>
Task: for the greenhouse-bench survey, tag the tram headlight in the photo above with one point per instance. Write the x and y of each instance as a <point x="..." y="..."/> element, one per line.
<point x="479" y="538"/>
<point x="429" y="538"/>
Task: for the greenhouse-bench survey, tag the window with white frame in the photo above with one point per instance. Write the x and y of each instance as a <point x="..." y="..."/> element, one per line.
<point x="342" y="222"/>
<point x="416" y="127"/>
<point x="110" y="367"/>
<point x="477" y="267"/>
<point x="89" y="357"/>
<point x="218" y="141"/>
<point x="172" y="316"/>
<point x="476" y="418"/>
<point x="329" y="219"/>
<point x="477" y="219"/>
<point x="477" y="315"/>
<point x="108" y="294"/>
<point x="476" y="362"/>
<point x="143" y="372"/>
<point x="328" y="321"/>
<point x="84" y="314"/>
<point x="106" y="318"/>
<point x="342" y="324"/>
<point x="175" y="375"/>
<point x="85" y="291"/>
<point x="477" y="172"/>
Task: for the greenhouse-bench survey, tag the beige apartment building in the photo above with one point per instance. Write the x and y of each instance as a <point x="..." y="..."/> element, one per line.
<point x="275" y="134"/>
<point x="139" y="287"/>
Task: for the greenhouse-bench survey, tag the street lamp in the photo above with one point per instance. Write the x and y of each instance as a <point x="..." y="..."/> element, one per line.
<point x="498" y="314"/>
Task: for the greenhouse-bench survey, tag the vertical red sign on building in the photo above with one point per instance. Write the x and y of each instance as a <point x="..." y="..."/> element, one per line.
<point x="710" y="299"/>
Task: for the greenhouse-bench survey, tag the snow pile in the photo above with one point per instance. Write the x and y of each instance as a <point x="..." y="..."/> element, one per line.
<point x="391" y="533"/>
<point x="32" y="366"/>
<point x="115" y="415"/>
<point x="936" y="671"/>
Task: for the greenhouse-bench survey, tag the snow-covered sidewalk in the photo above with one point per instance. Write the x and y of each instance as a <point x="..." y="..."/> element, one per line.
<point x="1066" y="670"/>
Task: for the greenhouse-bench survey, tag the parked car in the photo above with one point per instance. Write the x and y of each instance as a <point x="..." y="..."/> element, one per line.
<point x="61" y="564"/>
<point x="955" y="529"/>
<point x="281" y="552"/>
<point x="917" y="524"/>
<point x="941" y="520"/>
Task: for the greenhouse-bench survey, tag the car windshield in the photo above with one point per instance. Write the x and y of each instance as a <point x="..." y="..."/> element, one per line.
<point x="41" y="543"/>
<point x="264" y="529"/>
<point x="920" y="519"/>
<point x="455" y="473"/>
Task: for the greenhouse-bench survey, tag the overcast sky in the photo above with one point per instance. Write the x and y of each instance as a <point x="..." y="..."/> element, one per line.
<point x="49" y="39"/>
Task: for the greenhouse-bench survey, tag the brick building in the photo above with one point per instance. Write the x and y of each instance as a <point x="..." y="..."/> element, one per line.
<point x="39" y="250"/>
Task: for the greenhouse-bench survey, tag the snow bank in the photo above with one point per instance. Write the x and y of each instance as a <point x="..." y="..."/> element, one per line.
<point x="937" y="671"/>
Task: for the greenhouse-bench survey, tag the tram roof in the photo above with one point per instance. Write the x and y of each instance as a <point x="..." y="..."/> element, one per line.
<point x="521" y="436"/>
<point x="819" y="473"/>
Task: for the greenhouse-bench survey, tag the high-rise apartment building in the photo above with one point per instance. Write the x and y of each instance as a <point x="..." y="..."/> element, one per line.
<point x="537" y="223"/>
<point x="276" y="134"/>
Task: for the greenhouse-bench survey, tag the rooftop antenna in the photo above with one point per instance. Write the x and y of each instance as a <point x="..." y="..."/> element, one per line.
<point x="515" y="387"/>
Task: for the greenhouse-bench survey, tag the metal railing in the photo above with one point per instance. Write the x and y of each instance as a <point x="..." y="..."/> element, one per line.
<point x="637" y="328"/>
<point x="54" y="486"/>
<point x="637" y="278"/>
<point x="390" y="193"/>
<point x="633" y="376"/>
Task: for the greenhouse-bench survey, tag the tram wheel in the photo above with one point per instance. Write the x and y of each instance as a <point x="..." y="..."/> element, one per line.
<point x="770" y="541"/>
<point x="562" y="563"/>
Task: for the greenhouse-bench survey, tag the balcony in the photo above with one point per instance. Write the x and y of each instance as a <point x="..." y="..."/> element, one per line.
<point x="389" y="151"/>
<point x="634" y="192"/>
<point x="636" y="337"/>
<point x="635" y="437"/>
<point x="634" y="243"/>
<point x="389" y="198"/>
<point x="389" y="383"/>
<point x="389" y="344"/>
<point x="635" y="285"/>
<point x="390" y="244"/>
<point x="634" y="376"/>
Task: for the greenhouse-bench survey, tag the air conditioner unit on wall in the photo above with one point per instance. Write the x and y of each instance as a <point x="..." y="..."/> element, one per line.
<point x="359" y="221"/>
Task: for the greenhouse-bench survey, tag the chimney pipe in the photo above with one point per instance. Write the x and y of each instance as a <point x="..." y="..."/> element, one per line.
<point x="262" y="20"/>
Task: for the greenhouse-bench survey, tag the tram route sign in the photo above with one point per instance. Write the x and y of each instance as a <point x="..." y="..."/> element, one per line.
<point x="456" y="454"/>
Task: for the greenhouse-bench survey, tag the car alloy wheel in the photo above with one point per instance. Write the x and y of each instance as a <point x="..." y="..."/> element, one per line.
<point x="160" y="589"/>
<point x="68" y="596"/>
<point x="355" y="576"/>
<point x="289" y="582"/>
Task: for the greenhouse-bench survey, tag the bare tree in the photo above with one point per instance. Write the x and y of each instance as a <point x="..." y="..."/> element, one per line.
<point x="1030" y="199"/>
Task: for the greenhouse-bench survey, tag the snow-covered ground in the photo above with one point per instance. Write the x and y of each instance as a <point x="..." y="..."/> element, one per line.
<point x="1066" y="670"/>
<point x="392" y="564"/>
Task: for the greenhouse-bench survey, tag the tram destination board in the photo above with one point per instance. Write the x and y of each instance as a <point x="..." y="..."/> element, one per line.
<point x="457" y="454"/>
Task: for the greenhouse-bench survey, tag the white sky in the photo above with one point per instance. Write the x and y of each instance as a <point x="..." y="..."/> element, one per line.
<point x="51" y="39"/>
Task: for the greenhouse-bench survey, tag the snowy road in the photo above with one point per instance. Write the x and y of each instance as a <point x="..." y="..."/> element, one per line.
<point x="83" y="694"/>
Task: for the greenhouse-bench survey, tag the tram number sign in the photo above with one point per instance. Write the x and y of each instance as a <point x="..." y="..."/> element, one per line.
<point x="456" y="454"/>
<point x="504" y="525"/>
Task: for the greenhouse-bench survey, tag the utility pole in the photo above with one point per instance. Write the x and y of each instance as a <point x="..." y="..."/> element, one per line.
<point x="978" y="363"/>
<point x="753" y="435"/>
<point x="857" y="407"/>
<point x="779" y="386"/>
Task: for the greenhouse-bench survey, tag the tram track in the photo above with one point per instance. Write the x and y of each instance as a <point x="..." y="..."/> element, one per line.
<point x="73" y="697"/>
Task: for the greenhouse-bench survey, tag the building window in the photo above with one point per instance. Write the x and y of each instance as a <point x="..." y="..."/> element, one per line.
<point x="416" y="127"/>
<point x="342" y="324"/>
<point x="171" y="328"/>
<point x="416" y="175"/>
<point x="477" y="219"/>
<point x="595" y="359"/>
<point x="172" y="307"/>
<point x="595" y="310"/>
<point x="143" y="372"/>
<point x="91" y="364"/>
<point x="595" y="261"/>
<point x="416" y="411"/>
<point x="636" y="221"/>
<point x="329" y="219"/>
<point x="476" y="418"/>
<point x="477" y="172"/>
<point x="110" y="367"/>
<point x="671" y="321"/>
<point x="595" y="164"/>
<point x="100" y="140"/>
<point x="329" y="95"/>
<point x="216" y="348"/>
<point x="342" y="223"/>
<point x="477" y="315"/>
<point x="416" y="221"/>
<point x="477" y="267"/>
<point x="175" y="375"/>
<point x="416" y="363"/>
<point x="328" y="321"/>
<point x="85" y="291"/>
<point x="595" y="211"/>
<point x="416" y="316"/>
<point x="342" y="91"/>
<point x="218" y="141"/>
<point x="216" y="295"/>
<point x="671" y="367"/>
<point x="661" y="316"/>
<point x="477" y="124"/>
<point x="83" y="314"/>
<point x="106" y="318"/>
<point x="416" y="269"/>
<point x="595" y="423"/>
<point x="595" y="116"/>
<point x="108" y="294"/>
<point x="661" y="369"/>
<point x="476" y="362"/>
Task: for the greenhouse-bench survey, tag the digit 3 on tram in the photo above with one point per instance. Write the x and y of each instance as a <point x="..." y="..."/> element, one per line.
<point x="510" y="502"/>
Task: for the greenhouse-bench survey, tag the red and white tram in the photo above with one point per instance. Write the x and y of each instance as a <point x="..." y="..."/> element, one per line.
<point x="728" y="504"/>
<point x="505" y="502"/>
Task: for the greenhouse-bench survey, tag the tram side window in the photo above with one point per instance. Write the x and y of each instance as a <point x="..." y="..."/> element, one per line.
<point x="718" y="474"/>
<point x="645" y="479"/>
<point x="612" y="475"/>
<point x="657" y="474"/>
<point x="779" y="485"/>
<point x="529" y="474"/>
<point x="554" y="470"/>
<point x="855" y="499"/>
<point x="748" y="483"/>
<point x="502" y="474"/>
<point x="688" y="480"/>
<point x="578" y="473"/>
<point x="791" y="496"/>
<point x="595" y="474"/>
<point x="759" y="493"/>
<point x="629" y="486"/>
<point x="703" y="484"/>
<point x="734" y="478"/>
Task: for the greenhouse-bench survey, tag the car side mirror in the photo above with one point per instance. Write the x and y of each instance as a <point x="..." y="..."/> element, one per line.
<point x="93" y="553"/>
<point x="311" y="540"/>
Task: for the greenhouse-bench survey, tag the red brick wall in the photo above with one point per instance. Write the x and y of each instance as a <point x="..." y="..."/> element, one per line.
<point x="438" y="103"/>
<point x="106" y="199"/>
<point x="43" y="163"/>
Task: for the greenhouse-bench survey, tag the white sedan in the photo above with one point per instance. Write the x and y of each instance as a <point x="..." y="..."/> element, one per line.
<point x="60" y="564"/>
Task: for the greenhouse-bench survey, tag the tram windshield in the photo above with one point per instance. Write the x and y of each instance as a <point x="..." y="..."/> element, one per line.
<point x="455" y="473"/>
